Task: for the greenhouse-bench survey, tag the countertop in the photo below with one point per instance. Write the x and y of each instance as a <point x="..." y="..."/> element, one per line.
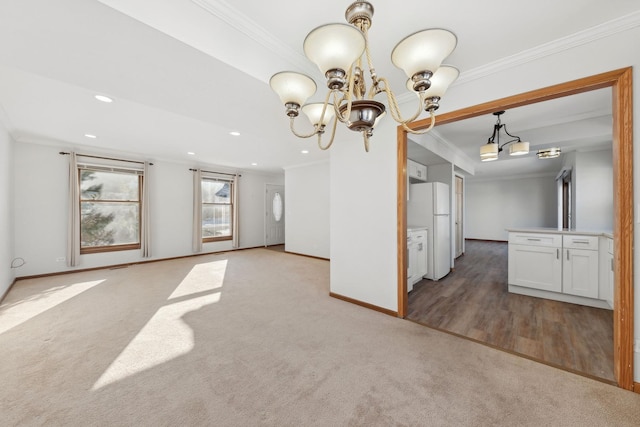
<point x="417" y="227"/>
<point x="608" y="234"/>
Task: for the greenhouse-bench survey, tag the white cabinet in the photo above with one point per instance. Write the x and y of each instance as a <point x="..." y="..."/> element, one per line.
<point x="417" y="249"/>
<point x="534" y="261"/>
<point x="416" y="171"/>
<point x="565" y="267"/>
<point x="580" y="266"/>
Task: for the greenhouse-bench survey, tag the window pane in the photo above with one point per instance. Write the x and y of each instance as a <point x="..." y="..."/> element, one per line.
<point x="98" y="185"/>
<point x="216" y="221"/>
<point x="216" y="191"/>
<point x="105" y="224"/>
<point x="277" y="207"/>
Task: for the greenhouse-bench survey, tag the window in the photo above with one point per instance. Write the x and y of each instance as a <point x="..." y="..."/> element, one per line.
<point x="217" y="209"/>
<point x="109" y="209"/>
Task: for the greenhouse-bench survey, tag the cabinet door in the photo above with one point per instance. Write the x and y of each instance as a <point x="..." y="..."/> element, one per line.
<point x="535" y="267"/>
<point x="421" y="261"/>
<point x="580" y="273"/>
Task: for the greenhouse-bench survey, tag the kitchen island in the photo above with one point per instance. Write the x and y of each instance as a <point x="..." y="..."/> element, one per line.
<point x="566" y="265"/>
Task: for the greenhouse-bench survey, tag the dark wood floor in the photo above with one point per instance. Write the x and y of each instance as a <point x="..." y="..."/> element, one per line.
<point x="473" y="301"/>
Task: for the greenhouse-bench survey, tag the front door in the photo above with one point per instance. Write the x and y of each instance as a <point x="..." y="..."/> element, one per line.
<point x="274" y="215"/>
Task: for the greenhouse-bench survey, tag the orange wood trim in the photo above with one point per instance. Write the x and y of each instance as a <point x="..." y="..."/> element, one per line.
<point x="573" y="87"/>
<point x="114" y="266"/>
<point x="636" y="387"/>
<point x="623" y="229"/>
<point x="621" y="83"/>
<point x="307" y="256"/>
<point x="112" y="248"/>
<point x="7" y="291"/>
<point x="403" y="299"/>
<point x="364" y="304"/>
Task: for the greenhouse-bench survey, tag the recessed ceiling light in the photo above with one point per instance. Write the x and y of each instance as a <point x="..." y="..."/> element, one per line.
<point x="88" y="135"/>
<point x="305" y="151"/>
<point x="191" y="153"/>
<point x="234" y="133"/>
<point x="103" y="98"/>
<point x="254" y="164"/>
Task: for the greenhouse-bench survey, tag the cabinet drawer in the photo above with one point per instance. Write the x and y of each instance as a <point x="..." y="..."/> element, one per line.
<point x="580" y="242"/>
<point x="536" y="239"/>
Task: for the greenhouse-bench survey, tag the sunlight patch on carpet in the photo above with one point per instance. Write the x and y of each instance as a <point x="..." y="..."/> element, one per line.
<point x="202" y="277"/>
<point x="166" y="335"/>
<point x="19" y="312"/>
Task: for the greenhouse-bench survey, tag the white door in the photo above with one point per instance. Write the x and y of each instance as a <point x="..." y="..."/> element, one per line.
<point x="274" y="215"/>
<point x="459" y="219"/>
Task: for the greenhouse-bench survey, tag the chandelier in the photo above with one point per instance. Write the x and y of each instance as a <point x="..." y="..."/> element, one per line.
<point x="490" y="150"/>
<point x="338" y="50"/>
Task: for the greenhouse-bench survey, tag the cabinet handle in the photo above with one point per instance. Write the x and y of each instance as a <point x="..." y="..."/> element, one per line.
<point x="612" y="265"/>
<point x="533" y="240"/>
<point x="568" y="255"/>
<point x="584" y="242"/>
<point x="557" y="253"/>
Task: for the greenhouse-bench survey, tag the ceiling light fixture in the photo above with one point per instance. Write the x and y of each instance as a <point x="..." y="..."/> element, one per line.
<point x="549" y="153"/>
<point x="338" y="50"/>
<point x="103" y="98"/>
<point x="234" y="133"/>
<point x="191" y="153"/>
<point x="490" y="150"/>
<point x="305" y="151"/>
<point x="254" y="164"/>
<point x="88" y="135"/>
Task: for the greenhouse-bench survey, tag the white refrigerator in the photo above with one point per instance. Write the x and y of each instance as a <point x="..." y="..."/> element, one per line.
<point x="429" y="206"/>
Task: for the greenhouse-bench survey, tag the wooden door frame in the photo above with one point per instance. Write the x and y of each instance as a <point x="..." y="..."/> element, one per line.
<point x="620" y="82"/>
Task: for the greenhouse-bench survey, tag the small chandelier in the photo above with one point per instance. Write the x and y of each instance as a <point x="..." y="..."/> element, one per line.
<point x="549" y="153"/>
<point x="490" y="150"/>
<point x="338" y="49"/>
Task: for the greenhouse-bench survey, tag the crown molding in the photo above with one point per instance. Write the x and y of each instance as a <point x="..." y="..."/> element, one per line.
<point x="580" y="38"/>
<point x="252" y="29"/>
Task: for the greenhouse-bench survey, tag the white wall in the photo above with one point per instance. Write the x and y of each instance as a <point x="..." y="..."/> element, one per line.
<point x="363" y="217"/>
<point x="7" y="274"/>
<point x="593" y="195"/>
<point x="307" y="209"/>
<point x="41" y="218"/>
<point x="495" y="205"/>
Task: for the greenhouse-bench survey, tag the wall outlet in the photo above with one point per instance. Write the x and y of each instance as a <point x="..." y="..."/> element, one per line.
<point x="61" y="259"/>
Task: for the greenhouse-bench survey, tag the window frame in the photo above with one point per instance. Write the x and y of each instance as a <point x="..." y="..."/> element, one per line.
<point x="110" y="248"/>
<point x="230" y="204"/>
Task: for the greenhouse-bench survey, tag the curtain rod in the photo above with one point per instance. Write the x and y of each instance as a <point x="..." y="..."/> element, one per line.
<point x="105" y="158"/>
<point x="219" y="173"/>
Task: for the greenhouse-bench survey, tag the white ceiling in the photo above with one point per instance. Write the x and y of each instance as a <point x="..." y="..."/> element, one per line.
<point x="184" y="74"/>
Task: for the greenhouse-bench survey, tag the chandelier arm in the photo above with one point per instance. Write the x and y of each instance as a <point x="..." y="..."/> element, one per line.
<point x="333" y="134"/>
<point x="349" y="96"/>
<point x="315" y="132"/>
<point x="422" y="131"/>
<point x="512" y="136"/>
<point x="395" y="108"/>
<point x="372" y="69"/>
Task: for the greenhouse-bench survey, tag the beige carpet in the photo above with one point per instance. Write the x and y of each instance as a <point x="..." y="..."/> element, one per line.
<point x="252" y="338"/>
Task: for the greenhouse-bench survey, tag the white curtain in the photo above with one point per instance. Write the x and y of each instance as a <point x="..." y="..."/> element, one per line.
<point x="145" y="232"/>
<point x="197" y="211"/>
<point x="73" y="224"/>
<point x="236" y="234"/>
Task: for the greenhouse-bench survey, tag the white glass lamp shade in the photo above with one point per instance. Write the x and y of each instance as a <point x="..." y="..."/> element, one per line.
<point x="441" y="80"/>
<point x="314" y="113"/>
<point x="334" y="46"/>
<point x="489" y="152"/>
<point x="423" y="51"/>
<point x="292" y="87"/>
<point x="519" y="148"/>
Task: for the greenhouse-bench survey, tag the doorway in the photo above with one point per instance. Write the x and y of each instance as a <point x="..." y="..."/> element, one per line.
<point x="274" y="227"/>
<point x="459" y="219"/>
<point x="620" y="82"/>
